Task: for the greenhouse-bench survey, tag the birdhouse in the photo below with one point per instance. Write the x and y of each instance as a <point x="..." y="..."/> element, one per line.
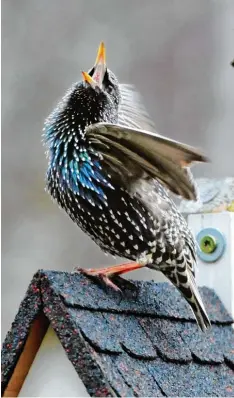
<point x="72" y="338"/>
<point x="211" y="220"/>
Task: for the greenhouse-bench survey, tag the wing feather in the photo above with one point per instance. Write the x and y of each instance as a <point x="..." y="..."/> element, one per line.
<point x="157" y="156"/>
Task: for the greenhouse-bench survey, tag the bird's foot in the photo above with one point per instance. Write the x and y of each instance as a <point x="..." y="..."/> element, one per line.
<point x="110" y="276"/>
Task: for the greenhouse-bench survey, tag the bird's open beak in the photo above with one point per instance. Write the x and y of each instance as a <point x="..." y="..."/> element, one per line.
<point x="87" y="78"/>
<point x="99" y="69"/>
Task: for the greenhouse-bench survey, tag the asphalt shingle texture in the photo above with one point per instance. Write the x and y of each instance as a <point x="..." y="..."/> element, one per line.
<point x="144" y="345"/>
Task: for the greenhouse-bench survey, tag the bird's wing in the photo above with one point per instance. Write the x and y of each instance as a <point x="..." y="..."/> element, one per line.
<point x="132" y="112"/>
<point x="134" y="153"/>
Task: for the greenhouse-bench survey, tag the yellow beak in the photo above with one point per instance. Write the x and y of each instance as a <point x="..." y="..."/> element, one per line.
<point x="99" y="69"/>
<point x="101" y="55"/>
<point x="87" y="78"/>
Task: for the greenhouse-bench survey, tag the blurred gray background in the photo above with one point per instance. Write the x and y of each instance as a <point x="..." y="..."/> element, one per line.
<point x="178" y="54"/>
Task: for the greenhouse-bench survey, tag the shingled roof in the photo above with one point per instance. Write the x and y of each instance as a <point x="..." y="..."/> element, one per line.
<point x="144" y="345"/>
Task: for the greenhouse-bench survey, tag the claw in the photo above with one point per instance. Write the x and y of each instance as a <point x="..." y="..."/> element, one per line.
<point x="109" y="275"/>
<point x="125" y="283"/>
<point x="109" y="283"/>
<point x="99" y="277"/>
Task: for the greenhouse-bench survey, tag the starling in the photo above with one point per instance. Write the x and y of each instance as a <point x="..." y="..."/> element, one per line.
<point x="112" y="173"/>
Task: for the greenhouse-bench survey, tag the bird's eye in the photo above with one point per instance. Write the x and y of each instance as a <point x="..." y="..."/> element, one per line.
<point x="110" y="89"/>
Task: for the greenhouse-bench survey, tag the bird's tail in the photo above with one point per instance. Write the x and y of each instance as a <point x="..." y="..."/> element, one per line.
<point x="197" y="305"/>
<point x="191" y="294"/>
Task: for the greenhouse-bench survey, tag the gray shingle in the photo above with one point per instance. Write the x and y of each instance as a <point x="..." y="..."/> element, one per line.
<point x="114" y="377"/>
<point x="206" y="347"/>
<point x="165" y="337"/>
<point x="96" y="330"/>
<point x="131" y="335"/>
<point x="192" y="380"/>
<point x="137" y="375"/>
<point x="214" y="306"/>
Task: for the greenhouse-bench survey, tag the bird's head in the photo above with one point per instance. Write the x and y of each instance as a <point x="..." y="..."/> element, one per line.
<point x="101" y="79"/>
<point x="98" y="93"/>
<point x="94" y="99"/>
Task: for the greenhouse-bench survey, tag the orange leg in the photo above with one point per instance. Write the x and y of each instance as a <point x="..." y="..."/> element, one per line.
<point x="105" y="274"/>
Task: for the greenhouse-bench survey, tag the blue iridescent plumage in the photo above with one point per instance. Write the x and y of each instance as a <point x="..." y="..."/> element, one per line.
<point x="82" y="173"/>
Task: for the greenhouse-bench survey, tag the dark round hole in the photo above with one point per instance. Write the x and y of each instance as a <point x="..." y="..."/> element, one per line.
<point x="207" y="243"/>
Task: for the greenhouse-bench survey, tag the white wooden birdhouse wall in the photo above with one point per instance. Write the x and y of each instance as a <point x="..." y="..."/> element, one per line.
<point x="215" y="237"/>
<point x="212" y="223"/>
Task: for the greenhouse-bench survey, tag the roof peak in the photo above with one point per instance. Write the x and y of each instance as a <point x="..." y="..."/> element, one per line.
<point x="130" y="346"/>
